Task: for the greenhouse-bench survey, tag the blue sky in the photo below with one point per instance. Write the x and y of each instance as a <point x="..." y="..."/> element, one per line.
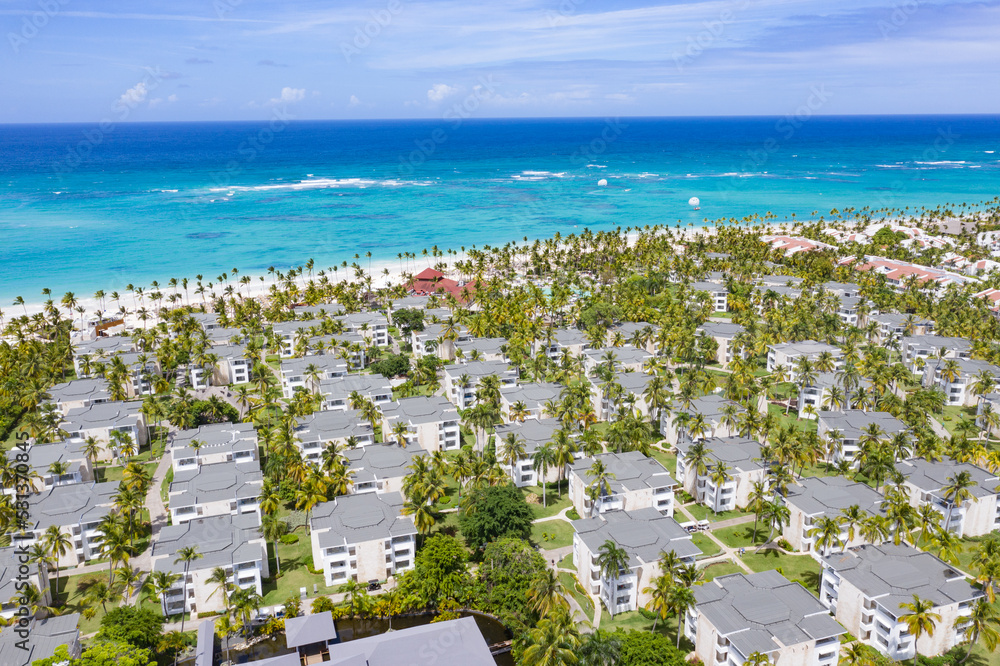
<point x="86" y="61"/>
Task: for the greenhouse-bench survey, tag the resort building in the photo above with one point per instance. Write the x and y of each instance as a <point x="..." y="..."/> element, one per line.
<point x="644" y="534"/>
<point x="634" y="482"/>
<point x="212" y="444"/>
<point x="921" y="350"/>
<point x="435" y="340"/>
<point x="724" y="333"/>
<point x="461" y="380"/>
<point x="899" y="273"/>
<point x="347" y="429"/>
<point x="308" y="373"/>
<point x="850" y="426"/>
<point x="233" y="366"/>
<point x="739" y="460"/>
<point x="294" y="335"/>
<point x="380" y="469"/>
<point x="232" y="543"/>
<point x="86" y="354"/>
<point x="17" y="569"/>
<point x="227" y="488"/>
<point x="80" y="393"/>
<point x="59" y="464"/>
<point x="432" y="423"/>
<point x="960" y="387"/>
<point x="76" y="510"/>
<point x="718" y="295"/>
<point x="624" y="359"/>
<point x="926" y="483"/>
<point x="102" y="419"/>
<point x="534" y="433"/>
<point x="481" y="349"/>
<point x="528" y="400"/>
<point x="626" y="390"/>
<point x="571" y="340"/>
<point x="740" y="615"/>
<point x="814" y="498"/>
<point x="362" y="538"/>
<point x="372" y="326"/>
<point x="45" y="635"/>
<point x="790" y="245"/>
<point x="639" y="334"/>
<point x="865" y="586"/>
<point x="337" y="392"/>
<point x="713" y="409"/>
<point x="896" y="326"/>
<point x="787" y="353"/>
<point x="451" y="642"/>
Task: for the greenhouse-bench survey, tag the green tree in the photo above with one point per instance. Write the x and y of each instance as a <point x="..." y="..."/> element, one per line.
<point x="920" y="619"/>
<point x="500" y="511"/>
<point x="503" y="579"/>
<point x="440" y="572"/>
<point x="140" y="627"/>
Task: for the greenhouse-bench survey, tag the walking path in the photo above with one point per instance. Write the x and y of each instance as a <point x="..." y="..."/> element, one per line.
<point x="731" y="553"/>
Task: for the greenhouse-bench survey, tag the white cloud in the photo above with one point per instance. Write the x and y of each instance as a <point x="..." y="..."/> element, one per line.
<point x="439" y="91"/>
<point x="134" y="95"/>
<point x="172" y="99"/>
<point x="289" y="96"/>
<point x="155" y="102"/>
<point x="354" y="101"/>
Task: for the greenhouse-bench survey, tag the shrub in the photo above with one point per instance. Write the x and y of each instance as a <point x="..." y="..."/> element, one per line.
<point x="783" y="543"/>
<point x="572" y="514"/>
<point x="289" y="539"/>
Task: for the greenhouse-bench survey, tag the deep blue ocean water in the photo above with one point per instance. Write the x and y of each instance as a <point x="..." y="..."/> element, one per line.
<point x="84" y="207"/>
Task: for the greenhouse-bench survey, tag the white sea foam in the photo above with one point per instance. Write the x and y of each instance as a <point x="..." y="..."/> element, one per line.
<point x="989" y="152"/>
<point x="943" y="162"/>
<point x="597" y="166"/>
<point x="318" y="184"/>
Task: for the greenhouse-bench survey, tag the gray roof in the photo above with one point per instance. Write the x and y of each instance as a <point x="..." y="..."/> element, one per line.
<point x="102" y="415"/>
<point x="642" y="533"/>
<point x="780" y="290"/>
<point x="567" y="337"/>
<point x="851" y="423"/>
<point x="309" y="629"/>
<point x="421" y="409"/>
<point x="721" y="329"/>
<point x="898" y="319"/>
<point x="738" y="453"/>
<point x="44" y="636"/>
<point x="283" y="328"/>
<point x="216" y="483"/>
<point x="709" y="406"/>
<point x="356" y="319"/>
<point x="807" y="348"/>
<point x="936" y="342"/>
<point x="326" y="426"/>
<point x="841" y="286"/>
<point x="828" y="496"/>
<point x="630" y="328"/>
<point x="482" y="345"/>
<point x="632" y="470"/>
<point x="780" y="280"/>
<point x="9" y="569"/>
<point x="534" y="432"/>
<point x="410" y="303"/>
<point x="763" y="612"/>
<point x="205" y="649"/>
<point x="325" y="363"/>
<point x="327" y="309"/>
<point x="533" y="395"/>
<point x="711" y="287"/>
<point x="476" y="370"/>
<point x="364" y="384"/>
<point x="634" y="382"/>
<point x="386" y="461"/>
<point x="233" y="436"/>
<point x="451" y="642"/>
<point x="352" y="519"/>
<point x="931" y="477"/>
<point x="223" y="541"/>
<point x="103" y="346"/>
<point x="227" y="351"/>
<point x="41" y="456"/>
<point x="892" y="574"/>
<point x="88" y="388"/>
<point x="971" y="366"/>
<point x="625" y="354"/>
<point x="70" y="505"/>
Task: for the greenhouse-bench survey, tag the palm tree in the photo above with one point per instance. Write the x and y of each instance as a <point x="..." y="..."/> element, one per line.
<point x="921" y="619"/>
<point x="159" y="583"/>
<point x="221" y="580"/>
<point x="273" y="528"/>
<point x="543" y="458"/>
<point x="681" y="599"/>
<point x="600" y="649"/>
<point x="982" y="624"/>
<point x="659" y="597"/>
<point x="612" y="560"/>
<point x="546" y="593"/>
<point x="553" y="642"/>
<point x="57" y="543"/>
<point x="826" y="533"/>
<point x="511" y="450"/>
<point x="187" y="555"/>
<point x="720" y="477"/>
<point x="957" y="491"/>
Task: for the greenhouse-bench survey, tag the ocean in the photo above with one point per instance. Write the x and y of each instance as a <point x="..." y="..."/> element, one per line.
<point x="88" y="207"/>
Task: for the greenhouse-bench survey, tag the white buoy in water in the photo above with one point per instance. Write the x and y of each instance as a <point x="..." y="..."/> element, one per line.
<point x="603" y="182"/>
<point x="694" y="201"/>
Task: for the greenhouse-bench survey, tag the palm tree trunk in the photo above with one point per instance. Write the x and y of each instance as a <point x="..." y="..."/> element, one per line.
<point x="680" y="618"/>
<point x="277" y="561"/>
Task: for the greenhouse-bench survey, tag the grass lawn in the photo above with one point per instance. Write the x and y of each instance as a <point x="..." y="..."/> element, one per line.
<point x="708" y="547"/>
<point x="667" y="459"/>
<point x="803" y="425"/>
<point x="634" y="621"/>
<point x="114" y="472"/>
<point x="969" y="548"/>
<point x="953" y="415"/>
<point x="801" y="568"/>
<point x="739" y="535"/>
<point x="295" y="559"/>
<point x="702" y="512"/>
<point x="721" y="569"/>
<point x="71" y="593"/>
<point x="576" y="591"/>
<point x="566" y="562"/>
<point x="559" y="533"/>
<point x="553" y="502"/>
<point x="449" y="525"/>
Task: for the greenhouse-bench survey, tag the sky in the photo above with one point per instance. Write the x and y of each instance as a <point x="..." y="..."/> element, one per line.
<point x="189" y="60"/>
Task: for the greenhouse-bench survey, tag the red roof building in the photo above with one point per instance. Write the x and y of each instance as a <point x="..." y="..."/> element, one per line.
<point x="430" y="281"/>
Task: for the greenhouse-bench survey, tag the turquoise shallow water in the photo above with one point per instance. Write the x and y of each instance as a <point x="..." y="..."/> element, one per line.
<point x="85" y="208"/>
